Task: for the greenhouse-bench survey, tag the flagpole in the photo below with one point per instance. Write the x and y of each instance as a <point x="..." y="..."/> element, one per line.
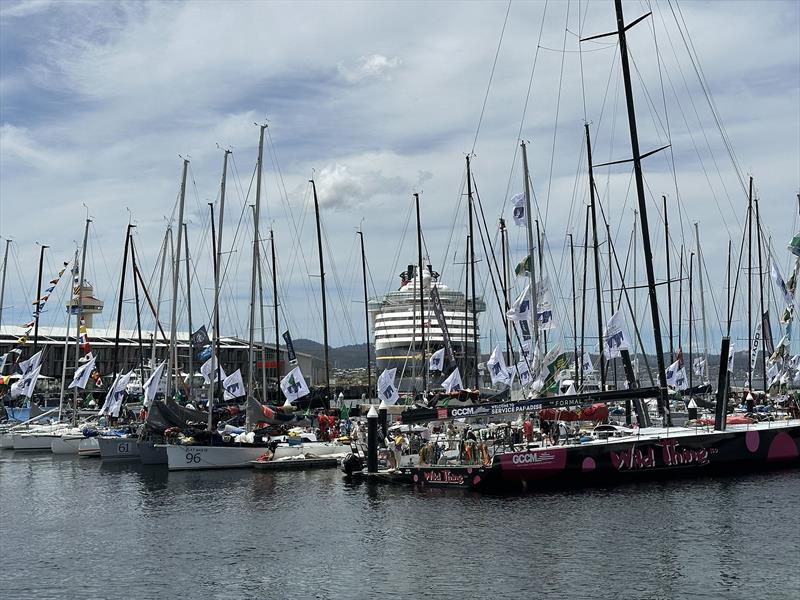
<point x="38" y="301"/>
<point x="583" y="292"/>
<point x="749" y="287"/>
<point x="167" y="236"/>
<point x="189" y="309"/>
<point x="172" y="360"/>
<point x="691" y="316"/>
<point x="574" y="310"/>
<point x="504" y="252"/>
<point x="669" y="282"/>
<point x="702" y="299"/>
<point x="263" y="351"/>
<point x="78" y="320"/>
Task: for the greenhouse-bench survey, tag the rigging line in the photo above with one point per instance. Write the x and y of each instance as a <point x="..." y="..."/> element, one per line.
<point x="491" y="76"/>
<point x="555" y="123"/>
<point x="396" y="260"/>
<point x="695" y="59"/>
<point x="580" y="60"/>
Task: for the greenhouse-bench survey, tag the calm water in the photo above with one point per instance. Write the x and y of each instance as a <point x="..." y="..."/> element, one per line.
<point x="74" y="528"/>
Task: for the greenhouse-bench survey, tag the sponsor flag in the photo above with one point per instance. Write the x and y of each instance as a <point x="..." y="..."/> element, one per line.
<point x="676" y="375"/>
<point x="586" y="364"/>
<point x="151" y="385"/>
<point x="776" y="277"/>
<point x="233" y="385"/>
<point x="552" y="364"/>
<point x="25" y="384"/>
<point x="699" y="366"/>
<point x="794" y="245"/>
<point x="524" y="373"/>
<point x="544" y="308"/>
<point x="497" y="367"/>
<point x="27" y="366"/>
<point x="615" y="338"/>
<point x="523" y="269"/>
<point x="294" y="386"/>
<point x="290" y="354"/>
<point x="518" y="210"/>
<point x="453" y="382"/>
<point x="436" y="362"/>
<point x="115" y="395"/>
<point x="209" y="370"/>
<point x="201" y="344"/>
<point x="521" y="309"/>
<point x="82" y="373"/>
<point x="387" y="390"/>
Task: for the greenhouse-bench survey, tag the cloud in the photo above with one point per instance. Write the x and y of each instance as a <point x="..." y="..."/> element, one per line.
<point x="375" y="66"/>
<point x="25" y="8"/>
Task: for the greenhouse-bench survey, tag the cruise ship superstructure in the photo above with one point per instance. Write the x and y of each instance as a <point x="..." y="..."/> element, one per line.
<point x="397" y="321"/>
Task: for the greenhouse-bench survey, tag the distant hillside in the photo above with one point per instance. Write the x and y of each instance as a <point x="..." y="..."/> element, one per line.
<point x="343" y="357"/>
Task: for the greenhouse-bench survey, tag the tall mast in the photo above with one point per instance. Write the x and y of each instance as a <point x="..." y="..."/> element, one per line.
<point x="275" y="307"/>
<point x="749" y="287"/>
<point x="254" y="274"/>
<point x="583" y="290"/>
<point x="574" y="306"/>
<point x="648" y="252"/>
<point x="611" y="288"/>
<point x="38" y="301"/>
<point x="635" y="290"/>
<point x="166" y="244"/>
<point x="669" y="280"/>
<point x="172" y="359"/>
<point x="263" y="351"/>
<point x="541" y="274"/>
<point x="421" y="289"/>
<point x="218" y="273"/>
<point x="761" y="301"/>
<point x="216" y="383"/>
<point x="135" y="269"/>
<point x="115" y="361"/>
<point x="466" y="308"/>
<point x="504" y="252"/>
<point x="66" y="340"/>
<point x="702" y="299"/>
<point x="691" y="316"/>
<point x="728" y="287"/>
<point x="366" y="311"/>
<point x="680" y="302"/>
<point x="531" y="262"/>
<point x="78" y="319"/>
<point x="189" y="307"/>
<point x="324" y="303"/>
<point x="3" y="280"/>
<point x="472" y="274"/>
<point x="596" y="255"/>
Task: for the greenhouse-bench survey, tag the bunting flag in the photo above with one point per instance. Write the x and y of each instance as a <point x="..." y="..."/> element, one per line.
<point x="453" y="382"/>
<point x="521" y="309"/>
<point x="436" y="362"/>
<point x="152" y="383"/>
<point x="82" y="373"/>
<point x="87" y="352"/>
<point x="233" y="385"/>
<point x="781" y="349"/>
<point x="39" y="307"/>
<point x="290" y="354"/>
<point x="387" y="390"/>
<point x="615" y="338"/>
<point x="518" y="210"/>
<point x="497" y="367"/>
<point x="294" y="386"/>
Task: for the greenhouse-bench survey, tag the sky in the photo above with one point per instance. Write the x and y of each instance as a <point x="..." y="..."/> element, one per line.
<point x="101" y="101"/>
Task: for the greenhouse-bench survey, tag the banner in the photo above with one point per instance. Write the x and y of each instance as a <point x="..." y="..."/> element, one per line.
<point x="436" y="302"/>
<point x="518" y="210"/>
<point x="25" y="385"/>
<point x="387" y="390"/>
<point x="115" y="395"/>
<point x="289" y="347"/>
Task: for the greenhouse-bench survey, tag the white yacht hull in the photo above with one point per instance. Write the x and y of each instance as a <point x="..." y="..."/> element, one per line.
<point x="316" y="449"/>
<point x="88" y="447"/>
<point x="118" y="448"/>
<point x="33" y="441"/>
<point x="180" y="458"/>
<point x="66" y="444"/>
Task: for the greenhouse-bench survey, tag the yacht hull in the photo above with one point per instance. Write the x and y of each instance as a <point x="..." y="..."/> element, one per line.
<point x="183" y="458"/>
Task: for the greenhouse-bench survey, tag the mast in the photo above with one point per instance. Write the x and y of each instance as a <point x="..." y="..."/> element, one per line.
<point x="541" y="274"/>
<point x="215" y="317"/>
<point x="3" y="280"/>
<point x="596" y="255"/>
<point x="167" y="237"/>
<point x="256" y="217"/>
<point x="134" y="269"/>
<point x="691" y="316"/>
<point x="172" y="359"/>
<point x="574" y="306"/>
<point x="648" y="253"/>
<point x="761" y="301"/>
<point x="472" y="275"/>
<point x="263" y="351"/>
<point x="189" y="308"/>
<point x="324" y="304"/>
<point x="66" y="340"/>
<point x="583" y="289"/>
<point x="504" y="252"/>
<point x="702" y="299"/>
<point x="78" y="320"/>
<point x="680" y="303"/>
<point x="611" y="289"/>
<point x="366" y="311"/>
<point x="275" y="314"/>
<point x="466" y="308"/>
<point x="531" y="262"/>
<point x="115" y="360"/>
<point x="635" y="309"/>
<point x="728" y="287"/>
<point x="218" y="273"/>
<point x="750" y="286"/>
<point x="421" y="289"/>
<point x="38" y="301"/>
<point x="669" y="280"/>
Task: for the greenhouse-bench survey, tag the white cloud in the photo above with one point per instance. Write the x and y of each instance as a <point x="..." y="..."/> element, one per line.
<point x="375" y="66"/>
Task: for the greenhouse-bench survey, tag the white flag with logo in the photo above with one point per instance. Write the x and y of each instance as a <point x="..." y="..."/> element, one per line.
<point x="676" y="376"/>
<point x="521" y="309"/>
<point x="82" y="373"/>
<point x="615" y="338"/>
<point x="294" y="386"/>
<point x="115" y="395"/>
<point x="209" y="370"/>
<point x="587" y="366"/>
<point x="436" y="362"/>
<point x="453" y="382"/>
<point x="233" y="385"/>
<point x="27" y="366"/>
<point x="776" y="277"/>
<point x="518" y="210"/>
<point x="497" y="367"/>
<point x="387" y="390"/>
<point x="151" y="385"/>
<point x="524" y="373"/>
<point x="25" y="384"/>
<point x="544" y="308"/>
<point x="699" y="366"/>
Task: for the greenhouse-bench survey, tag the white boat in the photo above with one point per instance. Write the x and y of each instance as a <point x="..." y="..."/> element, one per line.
<point x="88" y="447"/>
<point x="118" y="447"/>
<point x="68" y="442"/>
<point x="315" y="449"/>
<point x="180" y="458"/>
<point x="39" y="438"/>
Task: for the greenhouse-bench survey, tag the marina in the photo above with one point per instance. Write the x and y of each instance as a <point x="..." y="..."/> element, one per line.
<point x="586" y="382"/>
